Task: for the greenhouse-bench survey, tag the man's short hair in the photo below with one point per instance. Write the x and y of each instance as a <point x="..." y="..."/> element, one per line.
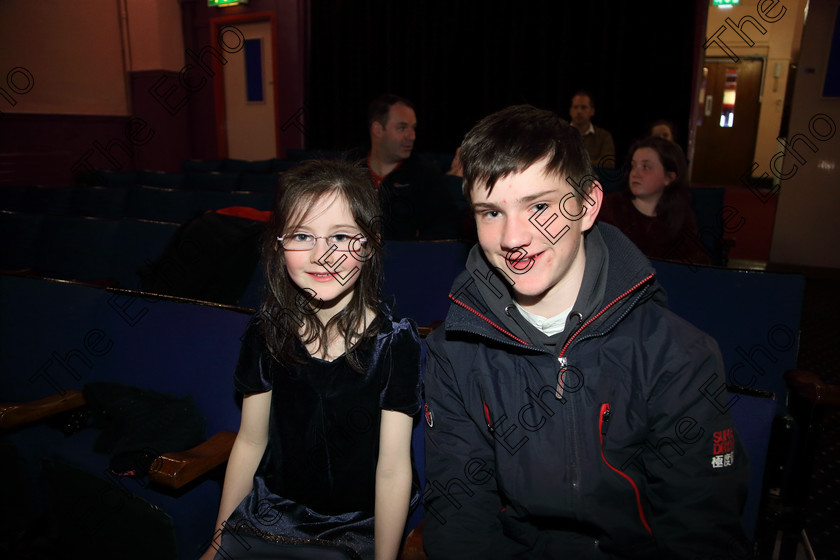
<point x="380" y="107"/>
<point x="511" y="140"/>
<point x="584" y="93"/>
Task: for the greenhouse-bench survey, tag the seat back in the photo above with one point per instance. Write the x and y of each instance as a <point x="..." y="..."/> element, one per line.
<point x="62" y="335"/>
<point x="707" y="205"/>
<point x="419" y="275"/>
<point x="753" y="316"/>
<point x="753" y="412"/>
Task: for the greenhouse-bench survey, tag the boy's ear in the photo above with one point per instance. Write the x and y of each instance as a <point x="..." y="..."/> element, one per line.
<point x="376" y="129"/>
<point x="592" y="201"/>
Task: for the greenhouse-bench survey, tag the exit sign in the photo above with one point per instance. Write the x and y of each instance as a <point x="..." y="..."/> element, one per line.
<point x="225" y="3"/>
<point x="725" y="2"/>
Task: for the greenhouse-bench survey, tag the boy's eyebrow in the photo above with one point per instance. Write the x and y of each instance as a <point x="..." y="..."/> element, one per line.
<point x="535" y="196"/>
<point x="484" y="206"/>
<point x="524" y="199"/>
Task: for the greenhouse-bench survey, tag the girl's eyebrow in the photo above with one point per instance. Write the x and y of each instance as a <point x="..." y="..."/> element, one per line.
<point x="302" y="227"/>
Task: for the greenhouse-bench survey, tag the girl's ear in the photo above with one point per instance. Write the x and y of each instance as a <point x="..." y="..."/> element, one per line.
<point x="670" y="176"/>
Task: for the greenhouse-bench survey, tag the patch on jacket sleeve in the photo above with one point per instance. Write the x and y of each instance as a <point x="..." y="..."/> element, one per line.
<point x="427" y="412"/>
<point x="723" y="451"/>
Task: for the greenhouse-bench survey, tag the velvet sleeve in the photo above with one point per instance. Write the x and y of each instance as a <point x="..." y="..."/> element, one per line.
<point x="253" y="371"/>
<point x="401" y="388"/>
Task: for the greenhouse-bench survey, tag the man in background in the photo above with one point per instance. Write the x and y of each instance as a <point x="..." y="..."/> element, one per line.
<point x="412" y="193"/>
<point x="598" y="142"/>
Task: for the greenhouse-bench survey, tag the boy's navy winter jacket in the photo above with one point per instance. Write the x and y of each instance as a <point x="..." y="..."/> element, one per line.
<point x="612" y="443"/>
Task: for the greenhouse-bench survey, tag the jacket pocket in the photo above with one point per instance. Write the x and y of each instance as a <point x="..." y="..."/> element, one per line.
<point x="603" y="426"/>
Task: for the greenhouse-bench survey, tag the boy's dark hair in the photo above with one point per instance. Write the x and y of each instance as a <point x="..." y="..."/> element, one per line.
<point x="513" y="139"/>
<point x="380" y="107"/>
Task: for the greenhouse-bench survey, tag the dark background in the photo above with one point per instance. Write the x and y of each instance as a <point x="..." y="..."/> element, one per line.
<point x="461" y="60"/>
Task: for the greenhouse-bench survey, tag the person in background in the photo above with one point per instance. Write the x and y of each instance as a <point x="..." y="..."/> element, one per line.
<point x="598" y="142"/>
<point x="663" y="129"/>
<point x="456" y="169"/>
<point x="654" y="207"/>
<point x="412" y="194"/>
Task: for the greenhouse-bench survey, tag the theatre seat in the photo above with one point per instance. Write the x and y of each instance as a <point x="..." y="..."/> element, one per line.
<point x="60" y="336"/>
<point x="419" y="275"/>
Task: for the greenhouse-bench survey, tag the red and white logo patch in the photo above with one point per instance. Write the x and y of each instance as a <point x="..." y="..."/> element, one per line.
<point x="427" y="412"/>
<point x="723" y="451"/>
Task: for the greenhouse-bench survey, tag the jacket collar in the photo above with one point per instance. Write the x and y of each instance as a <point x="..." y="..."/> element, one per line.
<point x="484" y="304"/>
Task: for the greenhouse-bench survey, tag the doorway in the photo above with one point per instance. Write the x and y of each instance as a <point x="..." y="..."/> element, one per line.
<point x="727" y="120"/>
<point x="246" y="95"/>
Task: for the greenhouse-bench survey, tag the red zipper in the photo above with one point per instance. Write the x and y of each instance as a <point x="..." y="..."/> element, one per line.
<point x="562" y="355"/>
<point x="605" y="414"/>
<point x="487" y="416"/>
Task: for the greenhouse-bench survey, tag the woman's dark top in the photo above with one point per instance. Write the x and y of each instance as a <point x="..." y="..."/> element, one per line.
<point x="316" y="480"/>
<point x="652" y="234"/>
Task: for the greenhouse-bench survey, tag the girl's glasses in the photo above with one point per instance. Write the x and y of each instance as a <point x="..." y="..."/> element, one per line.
<point x="343" y="242"/>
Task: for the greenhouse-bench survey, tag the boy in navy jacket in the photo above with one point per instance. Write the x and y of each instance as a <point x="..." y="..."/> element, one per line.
<point x="568" y="411"/>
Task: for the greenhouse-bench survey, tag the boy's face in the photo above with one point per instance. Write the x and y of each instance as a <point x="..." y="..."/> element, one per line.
<point x="524" y="232"/>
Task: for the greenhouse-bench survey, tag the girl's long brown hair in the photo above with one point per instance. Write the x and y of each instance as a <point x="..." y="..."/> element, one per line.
<point x="288" y="312"/>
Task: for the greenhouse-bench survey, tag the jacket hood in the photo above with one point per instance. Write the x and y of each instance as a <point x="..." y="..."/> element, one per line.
<point x="483" y="290"/>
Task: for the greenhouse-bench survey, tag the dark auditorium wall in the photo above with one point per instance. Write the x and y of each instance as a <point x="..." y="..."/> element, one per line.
<point x="459" y="61"/>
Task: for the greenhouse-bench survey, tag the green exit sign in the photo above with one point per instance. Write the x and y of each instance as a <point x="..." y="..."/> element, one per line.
<point x="225" y="3"/>
<point x="725" y="2"/>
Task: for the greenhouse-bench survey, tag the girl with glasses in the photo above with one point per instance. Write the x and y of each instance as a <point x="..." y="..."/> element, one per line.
<point x="321" y="467"/>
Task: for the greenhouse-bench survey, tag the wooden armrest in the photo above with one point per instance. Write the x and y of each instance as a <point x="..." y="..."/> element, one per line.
<point x="413" y="547"/>
<point x="810" y="385"/>
<point x="16" y="414"/>
<point x="176" y="469"/>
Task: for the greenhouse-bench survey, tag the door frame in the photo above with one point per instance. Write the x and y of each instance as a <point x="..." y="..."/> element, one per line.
<point x="219" y="82"/>
<point x="695" y="103"/>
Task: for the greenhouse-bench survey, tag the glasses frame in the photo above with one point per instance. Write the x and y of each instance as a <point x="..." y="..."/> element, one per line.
<point x="358" y="237"/>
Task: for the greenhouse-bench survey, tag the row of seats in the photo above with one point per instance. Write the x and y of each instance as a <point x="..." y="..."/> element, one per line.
<point x="60" y="336"/>
<point x="225" y="174"/>
<point x="193" y="180"/>
<point x="196" y="346"/>
<point x="103" y="251"/>
<point x="293" y="157"/>
<point x="149" y="203"/>
<point x="110" y="252"/>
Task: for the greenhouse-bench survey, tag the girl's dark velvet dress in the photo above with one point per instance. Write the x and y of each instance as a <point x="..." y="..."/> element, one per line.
<point x="315" y="484"/>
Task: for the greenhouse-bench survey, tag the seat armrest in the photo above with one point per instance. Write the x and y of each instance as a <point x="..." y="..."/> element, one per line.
<point x="811" y="386"/>
<point x="176" y="469"/>
<point x="413" y="547"/>
<point x="16" y="414"/>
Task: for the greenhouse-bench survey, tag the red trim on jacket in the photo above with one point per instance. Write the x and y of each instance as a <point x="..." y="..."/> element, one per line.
<point x="468" y="308"/>
<point x="605" y="408"/>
